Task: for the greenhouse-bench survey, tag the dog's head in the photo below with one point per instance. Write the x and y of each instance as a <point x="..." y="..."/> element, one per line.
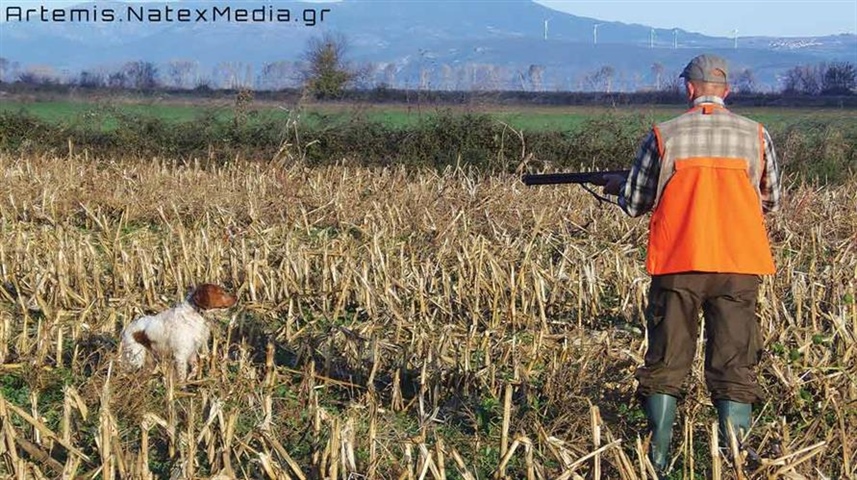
<point x="209" y="296"/>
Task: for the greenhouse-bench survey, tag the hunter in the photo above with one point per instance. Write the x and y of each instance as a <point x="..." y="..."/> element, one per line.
<point x="708" y="176"/>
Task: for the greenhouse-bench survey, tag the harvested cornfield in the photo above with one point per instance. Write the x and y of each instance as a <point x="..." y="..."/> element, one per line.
<point x="392" y="323"/>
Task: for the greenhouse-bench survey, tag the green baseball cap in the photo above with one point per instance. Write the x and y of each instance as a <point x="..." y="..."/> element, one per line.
<point x="707" y="68"/>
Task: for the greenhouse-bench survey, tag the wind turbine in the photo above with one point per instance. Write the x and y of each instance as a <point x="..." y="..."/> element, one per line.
<point x="675" y="38"/>
<point x="735" y="33"/>
<point x="652" y="38"/>
<point x="595" y="33"/>
<point x="546" y="27"/>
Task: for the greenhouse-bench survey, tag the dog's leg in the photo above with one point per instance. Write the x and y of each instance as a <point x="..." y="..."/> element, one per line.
<point x="194" y="365"/>
<point x="181" y="368"/>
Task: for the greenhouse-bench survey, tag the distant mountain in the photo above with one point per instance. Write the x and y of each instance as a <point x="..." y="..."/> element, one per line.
<point x="444" y="44"/>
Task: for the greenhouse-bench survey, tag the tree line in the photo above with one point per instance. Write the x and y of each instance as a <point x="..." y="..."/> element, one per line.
<point x="325" y="71"/>
<point x="835" y="78"/>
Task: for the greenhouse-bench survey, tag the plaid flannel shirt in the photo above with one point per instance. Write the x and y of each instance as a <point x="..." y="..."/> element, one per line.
<point x="639" y="192"/>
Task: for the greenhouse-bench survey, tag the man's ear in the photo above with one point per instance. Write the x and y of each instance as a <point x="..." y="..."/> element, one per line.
<point x="690" y="88"/>
<point x="726" y="91"/>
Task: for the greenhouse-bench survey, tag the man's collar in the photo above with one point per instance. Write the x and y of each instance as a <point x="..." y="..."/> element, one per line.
<point x="708" y="99"/>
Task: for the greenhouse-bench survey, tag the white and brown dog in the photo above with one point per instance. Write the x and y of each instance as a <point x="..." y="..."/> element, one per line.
<point x="176" y="334"/>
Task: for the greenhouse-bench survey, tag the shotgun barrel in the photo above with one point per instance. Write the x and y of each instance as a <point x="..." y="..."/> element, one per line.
<point x="596" y="178"/>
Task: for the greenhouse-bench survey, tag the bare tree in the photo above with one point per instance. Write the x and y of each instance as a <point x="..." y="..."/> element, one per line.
<point x="202" y="84"/>
<point x="484" y="76"/>
<point x="233" y="75"/>
<point x="424" y="78"/>
<point x="4" y="68"/>
<point x="658" y="72"/>
<point x="9" y="70"/>
<point x="389" y="74"/>
<point x="803" y="80"/>
<point x="839" y="78"/>
<point x="745" y="81"/>
<point x="427" y="63"/>
<point x="279" y="75"/>
<point x="462" y="75"/>
<point x="182" y="72"/>
<point x="38" y="75"/>
<point x="447" y="73"/>
<point x="90" y="79"/>
<point x="141" y="75"/>
<point x="606" y="73"/>
<point x="117" y="79"/>
<point x="535" y="74"/>
<point x="673" y="84"/>
<point x="601" y="79"/>
<point x="495" y="75"/>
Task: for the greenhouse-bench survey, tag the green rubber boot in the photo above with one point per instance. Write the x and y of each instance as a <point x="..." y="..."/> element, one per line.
<point x="738" y="414"/>
<point x="660" y="412"/>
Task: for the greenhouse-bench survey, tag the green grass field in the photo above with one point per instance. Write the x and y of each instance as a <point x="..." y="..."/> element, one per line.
<point x="529" y="118"/>
<point x="523" y="117"/>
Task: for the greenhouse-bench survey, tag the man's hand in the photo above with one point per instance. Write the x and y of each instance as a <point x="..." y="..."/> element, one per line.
<point x="613" y="184"/>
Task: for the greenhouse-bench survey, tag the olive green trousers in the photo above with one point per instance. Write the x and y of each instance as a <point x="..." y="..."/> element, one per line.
<point x="733" y="342"/>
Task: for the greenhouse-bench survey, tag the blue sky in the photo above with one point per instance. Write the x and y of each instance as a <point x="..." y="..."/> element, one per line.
<point x="717" y="18"/>
<point x="720" y="18"/>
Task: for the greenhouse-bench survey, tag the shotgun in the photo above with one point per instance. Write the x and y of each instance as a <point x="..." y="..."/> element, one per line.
<point x="580" y="178"/>
<point x="595" y="178"/>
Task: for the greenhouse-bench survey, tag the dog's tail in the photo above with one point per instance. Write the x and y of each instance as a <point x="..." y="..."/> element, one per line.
<point x="134" y="346"/>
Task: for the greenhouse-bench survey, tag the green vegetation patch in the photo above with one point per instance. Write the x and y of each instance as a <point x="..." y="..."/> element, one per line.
<point x="817" y="145"/>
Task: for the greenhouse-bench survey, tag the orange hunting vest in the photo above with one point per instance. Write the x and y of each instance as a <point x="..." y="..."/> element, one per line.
<point x="708" y="213"/>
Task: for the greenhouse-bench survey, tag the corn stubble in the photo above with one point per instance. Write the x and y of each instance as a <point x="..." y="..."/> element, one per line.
<point x="392" y="324"/>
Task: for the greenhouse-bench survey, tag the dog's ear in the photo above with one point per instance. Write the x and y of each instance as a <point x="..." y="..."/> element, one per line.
<point x="208" y="296"/>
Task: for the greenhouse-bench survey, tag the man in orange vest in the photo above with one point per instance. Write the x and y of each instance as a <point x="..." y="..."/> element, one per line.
<point x="708" y="176"/>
